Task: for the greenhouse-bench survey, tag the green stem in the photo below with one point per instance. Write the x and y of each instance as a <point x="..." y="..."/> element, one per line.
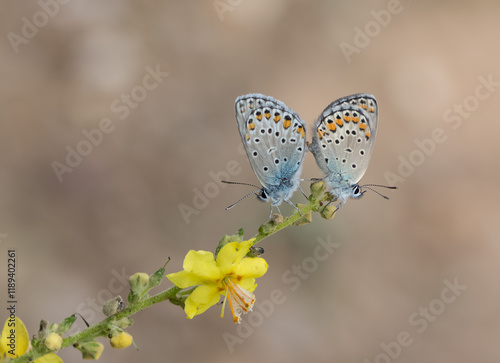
<point x="286" y="223"/>
<point x="100" y="329"/>
<point x="317" y="201"/>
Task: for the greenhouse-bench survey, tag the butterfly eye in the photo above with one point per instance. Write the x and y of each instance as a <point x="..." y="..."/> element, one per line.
<point x="356" y="191"/>
<point x="263" y="195"/>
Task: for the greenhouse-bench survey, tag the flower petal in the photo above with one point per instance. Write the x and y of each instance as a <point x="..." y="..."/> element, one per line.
<point x="231" y="254"/>
<point x="251" y="267"/>
<point x="199" y="268"/>
<point x="185" y="279"/>
<point x="16" y="331"/>
<point x="201" y="299"/>
<point x="49" y="358"/>
<point x="248" y="284"/>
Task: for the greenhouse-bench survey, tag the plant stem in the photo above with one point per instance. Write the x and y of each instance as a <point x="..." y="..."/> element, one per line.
<point x="317" y="201"/>
<point x="101" y="328"/>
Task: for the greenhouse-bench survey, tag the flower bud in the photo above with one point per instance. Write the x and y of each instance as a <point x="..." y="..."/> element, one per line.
<point x="123" y="323"/>
<point x="317" y="188"/>
<point x="329" y="211"/>
<point x="112" y="306"/>
<point x="121" y="340"/>
<point x="139" y="281"/>
<point x="139" y="285"/>
<point x="155" y="279"/>
<point x="53" y="342"/>
<point x="276" y="219"/>
<point x="91" y="350"/>
<point x="305" y="219"/>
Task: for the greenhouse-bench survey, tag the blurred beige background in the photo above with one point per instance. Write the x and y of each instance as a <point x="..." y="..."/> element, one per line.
<point x="117" y="211"/>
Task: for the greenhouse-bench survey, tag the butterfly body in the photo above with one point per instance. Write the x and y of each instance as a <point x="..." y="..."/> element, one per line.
<point x="343" y="140"/>
<point x="273" y="136"/>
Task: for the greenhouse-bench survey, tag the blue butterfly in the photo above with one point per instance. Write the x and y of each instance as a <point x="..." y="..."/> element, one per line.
<point x="343" y="140"/>
<point x="274" y="138"/>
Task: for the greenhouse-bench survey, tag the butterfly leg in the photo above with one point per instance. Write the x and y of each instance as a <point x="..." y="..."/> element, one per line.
<point x="271" y="214"/>
<point x="336" y="209"/>
<point x="293" y="205"/>
<point x="303" y="193"/>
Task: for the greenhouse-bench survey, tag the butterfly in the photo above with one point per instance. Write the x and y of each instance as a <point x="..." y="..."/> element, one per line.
<point x="274" y="138"/>
<point x="342" y="144"/>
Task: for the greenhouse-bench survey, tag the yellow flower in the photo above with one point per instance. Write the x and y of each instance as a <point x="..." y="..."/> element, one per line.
<point x="15" y="342"/>
<point x="230" y="275"/>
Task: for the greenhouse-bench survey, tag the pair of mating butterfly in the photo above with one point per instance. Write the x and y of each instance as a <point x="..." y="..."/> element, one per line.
<point x="274" y="138"/>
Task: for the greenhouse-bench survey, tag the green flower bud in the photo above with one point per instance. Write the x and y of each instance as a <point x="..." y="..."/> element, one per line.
<point x="124" y="323"/>
<point x="305" y="219"/>
<point x="112" y="306"/>
<point x="91" y="350"/>
<point x="139" y="282"/>
<point x="139" y="286"/>
<point x="267" y="228"/>
<point x="156" y="278"/>
<point x="238" y="237"/>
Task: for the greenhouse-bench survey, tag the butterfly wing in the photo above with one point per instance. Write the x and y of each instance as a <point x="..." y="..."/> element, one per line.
<point x="344" y="136"/>
<point x="273" y="136"/>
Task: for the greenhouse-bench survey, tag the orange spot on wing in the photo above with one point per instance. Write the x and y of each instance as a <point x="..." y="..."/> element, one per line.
<point x="259" y="117"/>
<point x="367" y="135"/>
<point x="331" y="126"/>
<point x="355" y="119"/>
<point x="339" y="122"/>
<point x="267" y="114"/>
<point x="347" y="118"/>
<point x="277" y="118"/>
<point x="251" y="126"/>
<point x="362" y="126"/>
<point x="287" y="123"/>
<point x="301" y="131"/>
<point x="248" y="137"/>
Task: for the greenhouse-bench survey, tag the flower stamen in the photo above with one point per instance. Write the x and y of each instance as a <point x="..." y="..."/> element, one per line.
<point x="243" y="299"/>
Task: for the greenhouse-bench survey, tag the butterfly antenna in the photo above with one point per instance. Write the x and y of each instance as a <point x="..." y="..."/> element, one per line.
<point x="232" y="205"/>
<point x="381" y="186"/>
<point x="230" y="182"/>
<point x="373" y="190"/>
